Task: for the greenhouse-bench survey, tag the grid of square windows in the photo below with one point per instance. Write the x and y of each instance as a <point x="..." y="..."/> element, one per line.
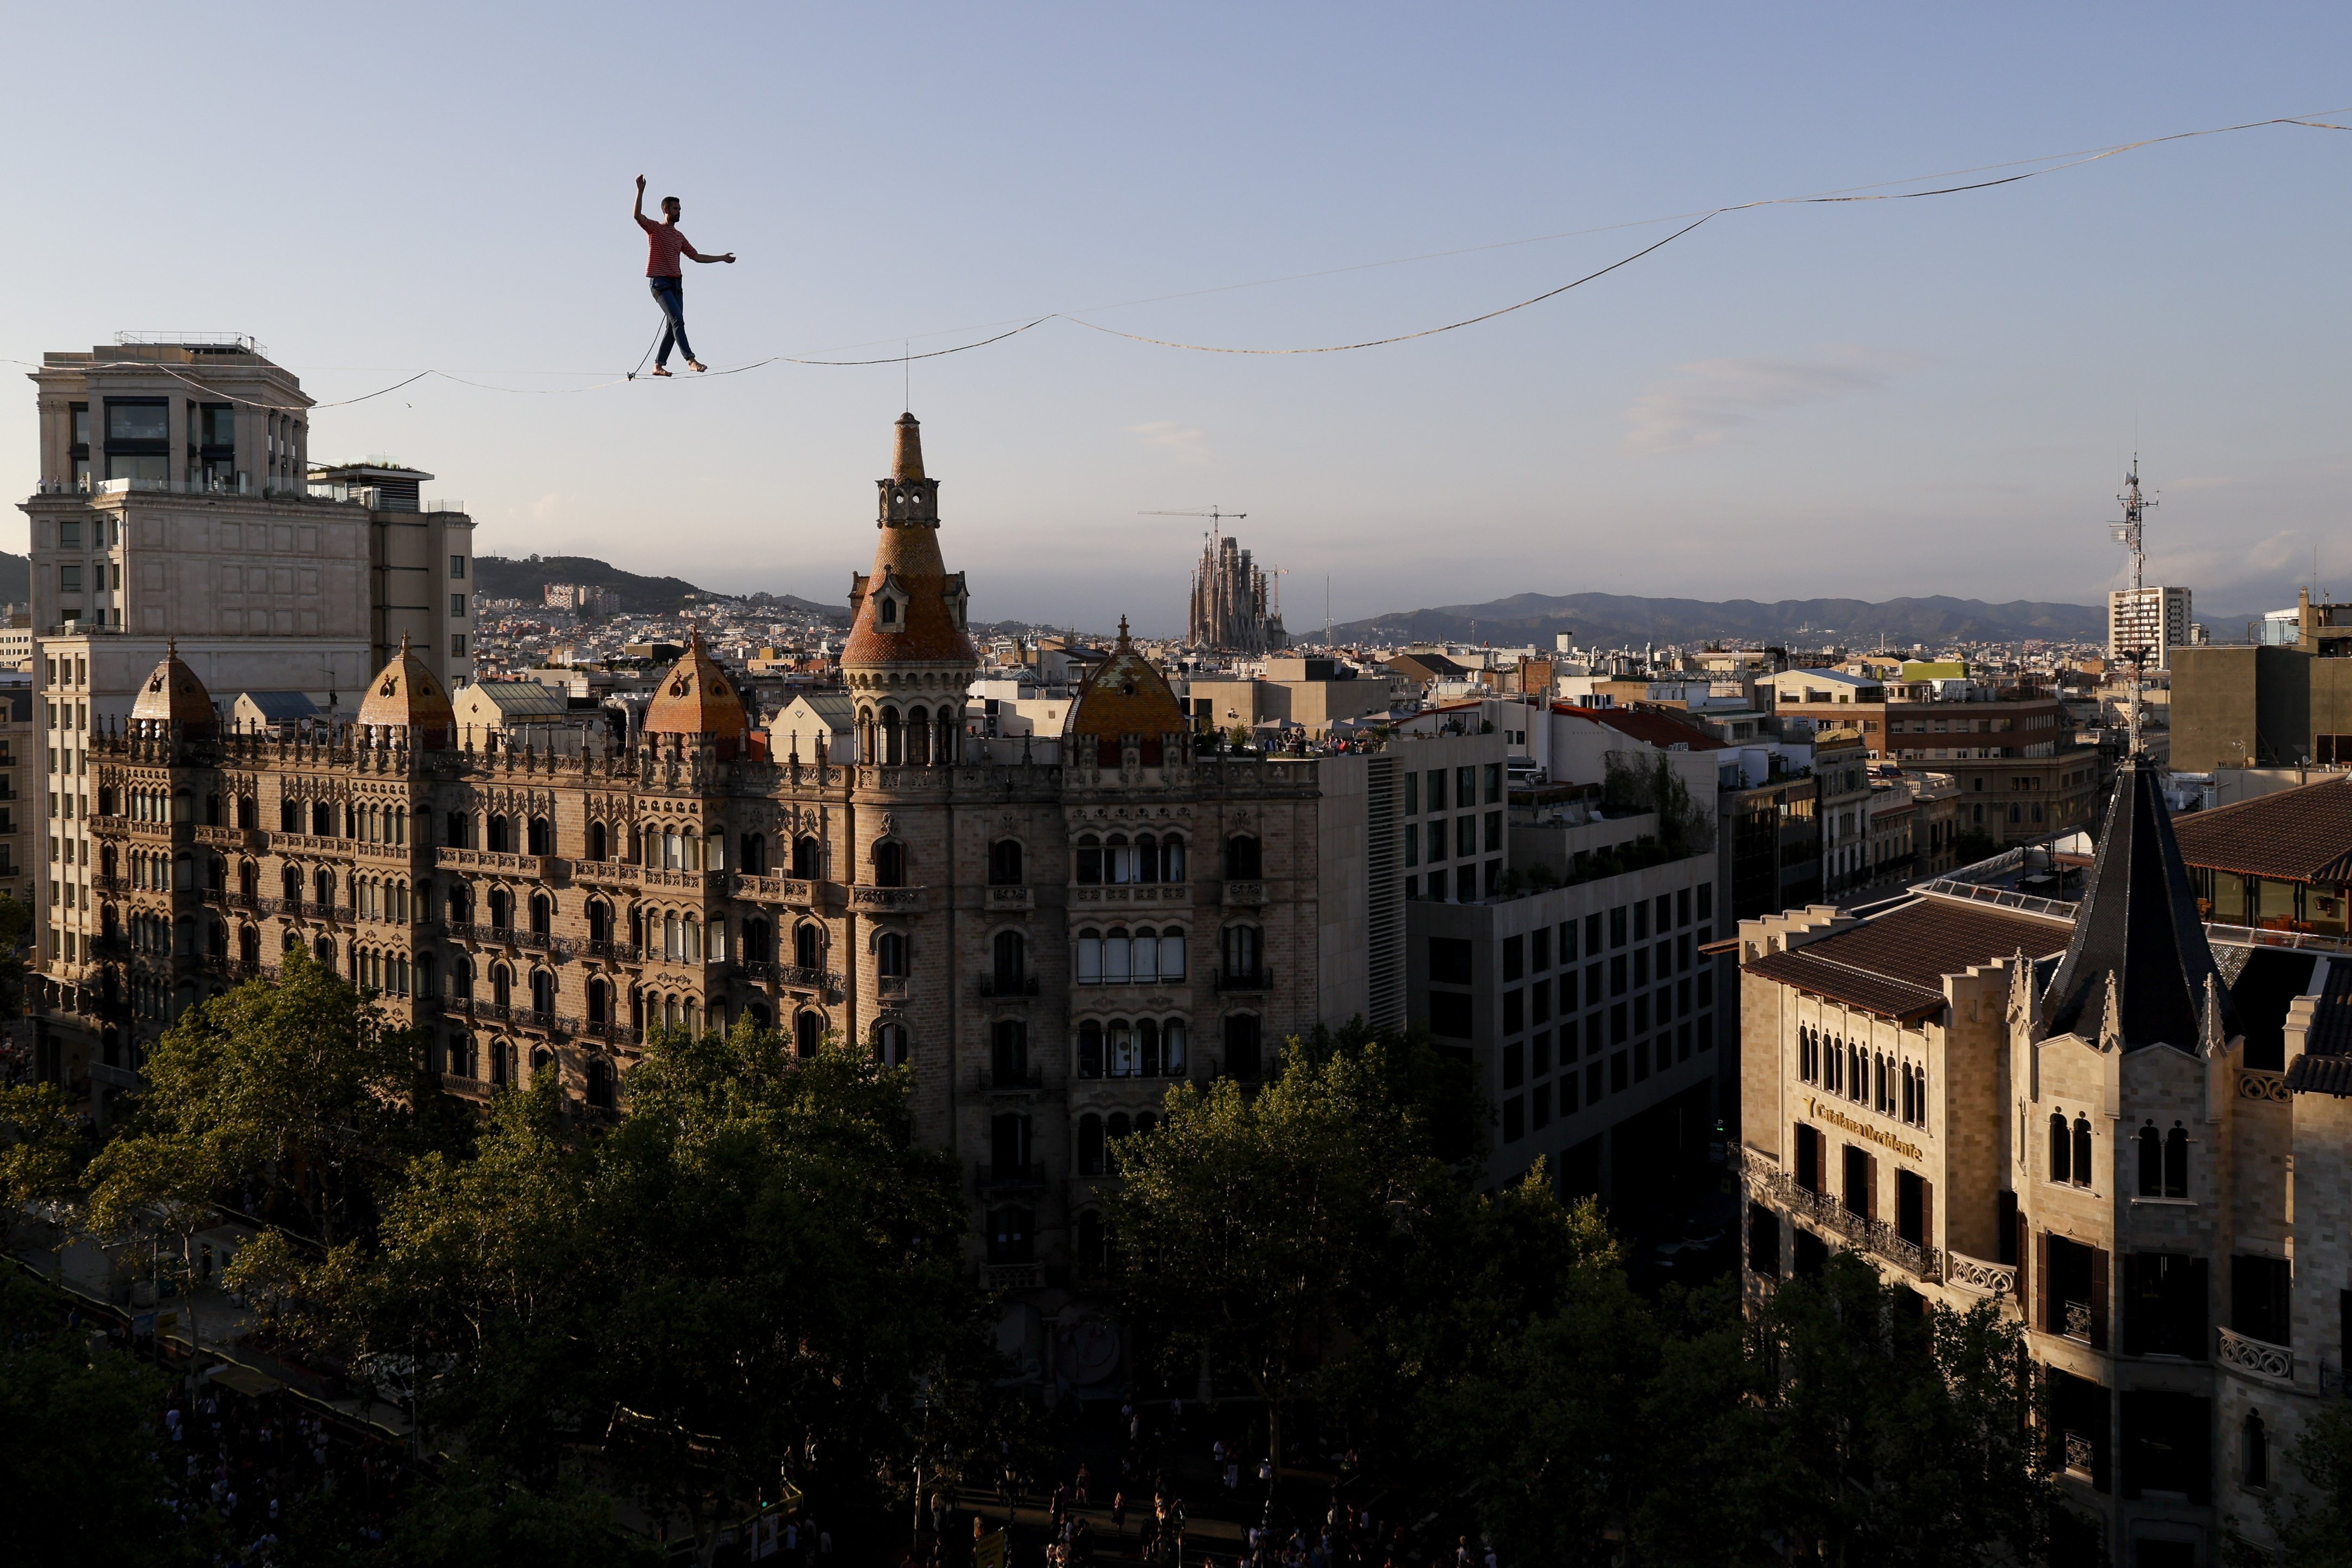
<point x="1630" y="994"/>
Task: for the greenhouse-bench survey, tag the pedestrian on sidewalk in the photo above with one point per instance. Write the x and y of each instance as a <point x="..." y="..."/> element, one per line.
<point x="1118" y="1512"/>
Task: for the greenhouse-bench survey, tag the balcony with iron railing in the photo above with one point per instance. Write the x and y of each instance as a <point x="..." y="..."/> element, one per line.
<point x="991" y="1177"/>
<point x="1259" y="979"/>
<point x="1010" y="898"/>
<point x="1022" y="1081"/>
<point x="1824" y="1212"/>
<point x="794" y="976"/>
<point x="614" y="952"/>
<point x="997" y="985"/>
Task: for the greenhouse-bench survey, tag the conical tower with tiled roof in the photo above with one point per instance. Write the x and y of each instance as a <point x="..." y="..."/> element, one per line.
<point x="908" y="645"/>
<point x="2136" y="971"/>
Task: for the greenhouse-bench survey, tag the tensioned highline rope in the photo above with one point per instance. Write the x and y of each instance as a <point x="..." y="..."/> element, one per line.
<point x="1872" y="192"/>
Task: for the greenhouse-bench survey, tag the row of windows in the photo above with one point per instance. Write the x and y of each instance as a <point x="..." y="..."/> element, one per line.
<point x="1466" y="838"/>
<point x="1465" y="781"/>
<point x="1890" y="1087"/>
<point x="1534" y="1111"/>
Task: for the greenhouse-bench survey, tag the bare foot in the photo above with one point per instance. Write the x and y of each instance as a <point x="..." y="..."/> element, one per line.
<point x="697" y="366"/>
<point x="661" y="370"/>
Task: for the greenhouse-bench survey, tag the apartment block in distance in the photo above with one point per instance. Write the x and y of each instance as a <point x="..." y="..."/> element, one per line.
<point x="2146" y="624"/>
<point x="176" y="515"/>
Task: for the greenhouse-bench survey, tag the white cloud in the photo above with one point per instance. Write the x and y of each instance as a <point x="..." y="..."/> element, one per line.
<point x="1704" y="402"/>
<point x="1192" y="446"/>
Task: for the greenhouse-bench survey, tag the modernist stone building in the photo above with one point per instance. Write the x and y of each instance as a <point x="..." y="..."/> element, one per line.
<point x="1049" y="944"/>
<point x="2127" y="1129"/>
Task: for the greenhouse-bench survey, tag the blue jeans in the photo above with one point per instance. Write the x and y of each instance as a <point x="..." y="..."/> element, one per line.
<point x="669" y="293"/>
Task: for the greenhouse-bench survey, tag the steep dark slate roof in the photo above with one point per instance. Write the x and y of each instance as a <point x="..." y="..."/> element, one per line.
<point x="2295" y="835"/>
<point x="2138" y="921"/>
<point x="2325" y="1066"/>
<point x="1895" y="965"/>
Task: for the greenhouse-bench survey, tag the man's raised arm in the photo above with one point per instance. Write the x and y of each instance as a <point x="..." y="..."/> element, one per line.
<point x="637" y="208"/>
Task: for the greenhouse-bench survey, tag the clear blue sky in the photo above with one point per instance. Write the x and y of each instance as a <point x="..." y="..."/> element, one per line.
<point x="1896" y="397"/>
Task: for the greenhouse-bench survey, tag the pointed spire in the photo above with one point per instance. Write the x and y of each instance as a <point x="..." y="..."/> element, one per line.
<point x="2216" y="1037"/>
<point x="1123" y="643"/>
<point x="907" y="454"/>
<point x="2138" y="937"/>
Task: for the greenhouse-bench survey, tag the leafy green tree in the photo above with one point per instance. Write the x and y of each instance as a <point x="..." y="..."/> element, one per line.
<point x="754" y="1270"/>
<point x="79" y="1480"/>
<point x="2313" y="1521"/>
<point x="40" y="1145"/>
<point x="1263" y="1230"/>
<point x="16" y="946"/>
<point x="1844" y="1421"/>
<point x="300" y="1088"/>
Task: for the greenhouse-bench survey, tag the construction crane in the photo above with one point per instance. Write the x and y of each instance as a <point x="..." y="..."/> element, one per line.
<point x="1216" y="516"/>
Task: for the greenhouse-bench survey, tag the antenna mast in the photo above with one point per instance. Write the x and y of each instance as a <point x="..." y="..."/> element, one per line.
<point x="2128" y="534"/>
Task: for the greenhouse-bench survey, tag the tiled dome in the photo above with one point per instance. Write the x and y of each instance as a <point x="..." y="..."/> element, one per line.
<point x="174" y="696"/>
<point x="406" y="694"/>
<point x="697" y="698"/>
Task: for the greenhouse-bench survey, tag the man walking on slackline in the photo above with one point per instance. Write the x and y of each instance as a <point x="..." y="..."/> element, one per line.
<point x="661" y="271"/>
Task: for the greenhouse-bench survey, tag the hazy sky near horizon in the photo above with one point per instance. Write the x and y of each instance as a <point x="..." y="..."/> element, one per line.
<point x="1883" y="399"/>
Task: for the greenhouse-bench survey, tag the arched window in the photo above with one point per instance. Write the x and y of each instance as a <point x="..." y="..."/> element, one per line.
<point x="759" y="941"/>
<point x="1090" y="1145"/>
<point x="542" y="1058"/>
<point x="1172" y="859"/>
<point x="1009" y="1146"/>
<point x="501" y="985"/>
<point x="461" y="977"/>
<point x="808" y="1031"/>
<point x="1172" y="1047"/>
<point x="891" y="1044"/>
<point x="808" y="945"/>
<point x="918" y="736"/>
<point x="2081" y="1151"/>
<point x="600" y="921"/>
<point x="2257" y="1452"/>
<point x="1010" y="1052"/>
<point x="1171" y="956"/>
<point x="1010" y="1240"/>
<point x="1011" y="953"/>
<point x="539" y="837"/>
<point x="461" y="903"/>
<point x="1090" y="970"/>
<point x="1242" y="862"/>
<point x="1005" y="864"/>
<point x="600" y="1083"/>
<point x="542" y="992"/>
<point x="1146" y="1047"/>
<point x="1146" y="857"/>
<point x="323" y="819"/>
<point x="1144" y="1122"/>
<point x="2151" y="1162"/>
<point x="501" y="836"/>
<point x="322" y="885"/>
<point x="1116" y="957"/>
<point x="600" y="1001"/>
<point x="891" y="954"/>
<point x="599" y="841"/>
<point x="248" y="947"/>
<point x="1144" y="960"/>
<point x="2061" y="1149"/>
<point x="1119" y="1041"/>
<point x="1093" y="1261"/>
<point x="889" y="864"/>
<point x="1089" y="858"/>
<point x="755" y="854"/>
<point x="1091" y="1050"/>
<point x="892" y="754"/>
<point x="1244" y="1050"/>
<point x="1805" y="1057"/>
<point x="808" y="858"/>
<point x="1119" y="859"/>
<point x="502" y="909"/>
<point x="542" y="915"/>
<point x="2175" y="1162"/>
<point x="1243" y="955"/>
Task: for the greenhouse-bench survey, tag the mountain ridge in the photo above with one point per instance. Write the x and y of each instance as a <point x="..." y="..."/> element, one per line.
<point x="1617" y="620"/>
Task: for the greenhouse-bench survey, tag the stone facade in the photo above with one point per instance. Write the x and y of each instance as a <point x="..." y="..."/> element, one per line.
<point x="1006" y="930"/>
<point x="2056" y="1111"/>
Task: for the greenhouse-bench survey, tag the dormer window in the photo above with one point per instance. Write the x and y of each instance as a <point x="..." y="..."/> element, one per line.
<point x="888" y="614"/>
